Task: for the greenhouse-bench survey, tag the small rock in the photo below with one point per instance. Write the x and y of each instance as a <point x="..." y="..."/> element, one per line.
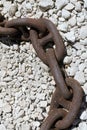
<point x="80" y="77"/>
<point x="72" y="21"/>
<point x="83" y="42"/>
<point x="13" y="9"/>
<point x="73" y="70"/>
<point x="15" y="47"/>
<point x="70" y="36"/>
<point x="80" y="19"/>
<point x="84" y="115"/>
<point x="2" y="127"/>
<point x="46" y="4"/>
<point x="53" y="18"/>
<point x="63" y="27"/>
<point x="83" y="126"/>
<point x="3" y="63"/>
<point x="83" y="32"/>
<point x="85" y="88"/>
<point x="67" y="60"/>
<point x="36" y="123"/>
<point x="7" y="108"/>
<point x="20" y="114"/>
<point x="3" y="84"/>
<point x="43" y="104"/>
<point x="78" y="6"/>
<point x="61" y="3"/>
<point x="25" y="127"/>
<point x="20" y="79"/>
<point x="28" y="7"/>
<point x="82" y="66"/>
<point x="69" y="6"/>
<point x="84" y="55"/>
<point x="85" y="3"/>
<point x="61" y="19"/>
<point x="65" y="14"/>
<point x="7" y="79"/>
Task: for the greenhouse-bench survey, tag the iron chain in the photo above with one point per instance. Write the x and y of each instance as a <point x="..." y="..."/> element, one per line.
<point x="48" y="44"/>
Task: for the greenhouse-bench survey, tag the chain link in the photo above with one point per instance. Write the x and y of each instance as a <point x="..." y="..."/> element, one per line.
<point x="48" y="44"/>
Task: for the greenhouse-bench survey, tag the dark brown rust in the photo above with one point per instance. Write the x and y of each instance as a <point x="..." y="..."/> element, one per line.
<point x="54" y="115"/>
<point x="53" y="64"/>
<point x="48" y="44"/>
<point x="37" y="24"/>
<point x="74" y="105"/>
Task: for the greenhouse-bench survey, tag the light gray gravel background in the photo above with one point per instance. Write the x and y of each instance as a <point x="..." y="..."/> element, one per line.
<point x="26" y="86"/>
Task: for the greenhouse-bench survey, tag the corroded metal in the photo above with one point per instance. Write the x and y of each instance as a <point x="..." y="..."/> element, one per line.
<point x="48" y="44"/>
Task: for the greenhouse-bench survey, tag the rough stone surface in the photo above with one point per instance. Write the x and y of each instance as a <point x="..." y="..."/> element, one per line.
<point x="83" y="32"/>
<point x="26" y="86"/>
<point x="60" y="4"/>
<point x="70" y="36"/>
<point x="46" y="4"/>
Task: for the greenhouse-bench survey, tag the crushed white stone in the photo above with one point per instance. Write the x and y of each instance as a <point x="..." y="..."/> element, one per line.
<point x="60" y="4"/>
<point x="26" y="86"/>
<point x="2" y="127"/>
<point x="46" y="4"/>
<point x="69" y="6"/>
<point x="70" y="36"/>
<point x="65" y="14"/>
<point x="83" y="32"/>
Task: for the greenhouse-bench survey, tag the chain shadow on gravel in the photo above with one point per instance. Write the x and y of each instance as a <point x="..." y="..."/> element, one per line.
<point x="9" y="40"/>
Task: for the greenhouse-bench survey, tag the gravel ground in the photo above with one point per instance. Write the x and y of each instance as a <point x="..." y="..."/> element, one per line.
<point x="26" y="86"/>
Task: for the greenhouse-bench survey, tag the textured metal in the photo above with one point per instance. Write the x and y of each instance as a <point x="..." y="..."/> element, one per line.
<point x="48" y="44"/>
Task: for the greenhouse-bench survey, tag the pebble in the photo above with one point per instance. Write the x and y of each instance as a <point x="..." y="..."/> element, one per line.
<point x="7" y="108"/>
<point x="70" y="36"/>
<point x="82" y="66"/>
<point x="79" y="76"/>
<point x="78" y="6"/>
<point x="60" y="4"/>
<point x="28" y="7"/>
<point x="72" y="71"/>
<point x="69" y="6"/>
<point x="2" y="127"/>
<point x="84" y="115"/>
<point x="67" y="60"/>
<point x="82" y="126"/>
<point x="85" y="88"/>
<point x="36" y="123"/>
<point x="63" y="27"/>
<point x="85" y="4"/>
<point x="66" y="14"/>
<point x="7" y="79"/>
<point x="20" y="114"/>
<point x="43" y="104"/>
<point x="46" y="4"/>
<point x="83" y="42"/>
<point x="80" y="19"/>
<point x="13" y="9"/>
<point x="84" y="55"/>
<point x="83" y="32"/>
<point x="25" y="126"/>
<point x="72" y="21"/>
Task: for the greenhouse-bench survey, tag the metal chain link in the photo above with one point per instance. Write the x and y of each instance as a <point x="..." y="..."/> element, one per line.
<point x="48" y="44"/>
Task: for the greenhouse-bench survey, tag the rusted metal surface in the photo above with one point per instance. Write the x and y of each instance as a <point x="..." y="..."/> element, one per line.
<point x="48" y="44"/>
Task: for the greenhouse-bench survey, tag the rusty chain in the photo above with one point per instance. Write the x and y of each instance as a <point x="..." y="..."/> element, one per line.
<point x="48" y="44"/>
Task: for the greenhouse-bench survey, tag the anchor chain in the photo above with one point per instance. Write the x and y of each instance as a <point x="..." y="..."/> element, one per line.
<point x="49" y="46"/>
